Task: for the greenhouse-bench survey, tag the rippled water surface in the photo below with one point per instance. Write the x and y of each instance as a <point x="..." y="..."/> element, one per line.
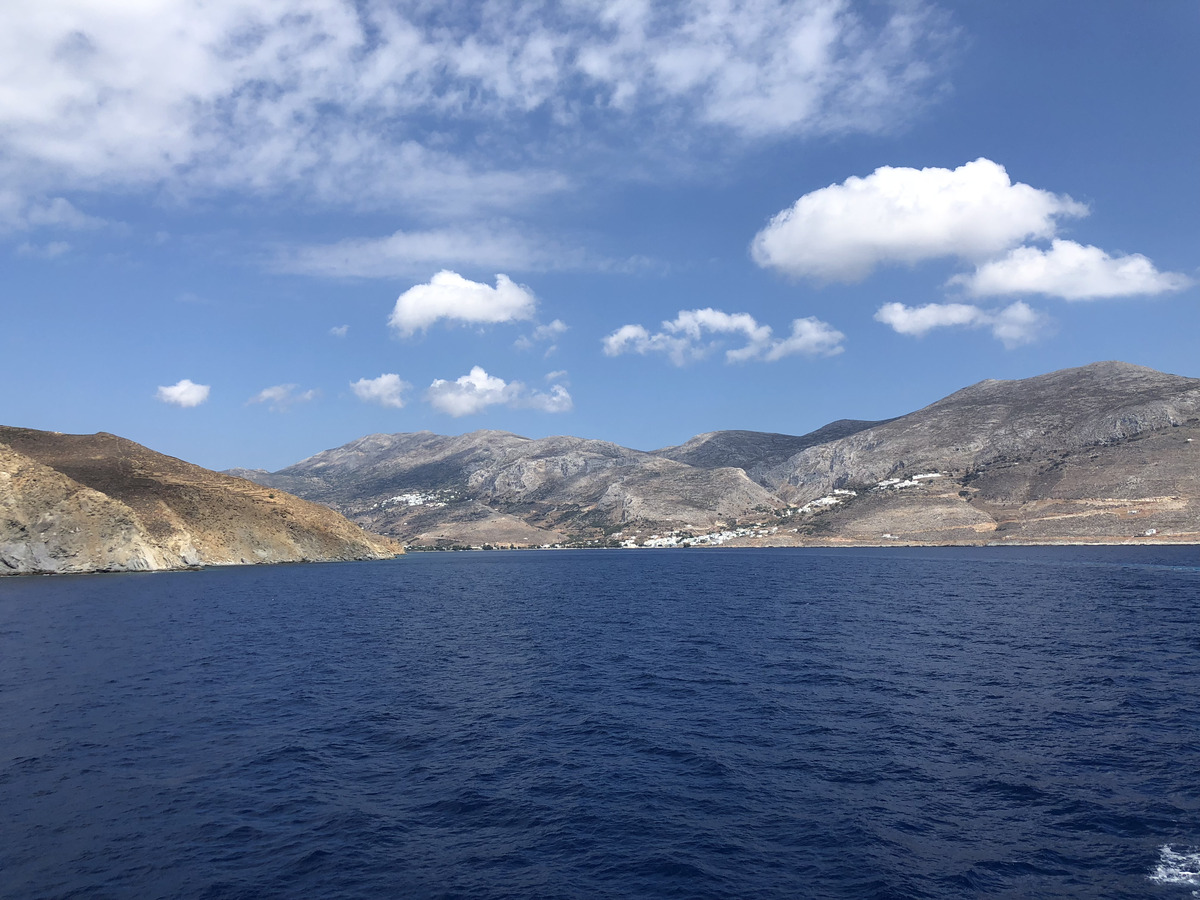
<point x="723" y="723"/>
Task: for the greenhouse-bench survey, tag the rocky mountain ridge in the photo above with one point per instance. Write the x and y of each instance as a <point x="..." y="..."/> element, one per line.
<point x="1102" y="452"/>
<point x="84" y="503"/>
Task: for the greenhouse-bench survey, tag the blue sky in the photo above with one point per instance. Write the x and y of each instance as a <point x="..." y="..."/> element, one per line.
<point x="243" y="232"/>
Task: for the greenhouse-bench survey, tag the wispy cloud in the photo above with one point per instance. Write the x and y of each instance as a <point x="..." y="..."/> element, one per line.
<point x="185" y="393"/>
<point x="497" y="245"/>
<point x="339" y="331"/>
<point x="50" y="250"/>
<point x="281" y="397"/>
<point x="334" y="99"/>
<point x="1013" y="325"/>
<point x="685" y="338"/>
<point x="477" y="390"/>
<point x="546" y="334"/>
<point x="450" y="296"/>
<point x="21" y="213"/>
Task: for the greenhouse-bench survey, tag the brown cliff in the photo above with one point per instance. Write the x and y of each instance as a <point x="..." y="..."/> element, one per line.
<point x="82" y="503"/>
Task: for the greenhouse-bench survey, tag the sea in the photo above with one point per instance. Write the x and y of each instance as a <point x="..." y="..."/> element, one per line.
<point x="723" y="723"/>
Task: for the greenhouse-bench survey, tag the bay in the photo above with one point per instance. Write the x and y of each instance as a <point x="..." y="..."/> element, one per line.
<point x="1000" y="722"/>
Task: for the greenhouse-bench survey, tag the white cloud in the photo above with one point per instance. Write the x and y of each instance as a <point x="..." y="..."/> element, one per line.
<point x="558" y="400"/>
<point x="547" y="334"/>
<point x="19" y="213"/>
<point x="339" y="330"/>
<point x="386" y="390"/>
<point x="282" y="396"/>
<point x="917" y="320"/>
<point x="903" y="215"/>
<point x="1013" y="325"/>
<point x="683" y="338"/>
<point x="183" y="393"/>
<point x="51" y="250"/>
<point x="810" y="337"/>
<point x="1071" y="271"/>
<point x="495" y="245"/>
<point x="1017" y="324"/>
<point x="761" y="67"/>
<point x="333" y="98"/>
<point x="450" y="296"/>
<point x="477" y="390"/>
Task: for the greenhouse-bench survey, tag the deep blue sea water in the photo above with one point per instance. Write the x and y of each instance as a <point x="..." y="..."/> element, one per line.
<point x="1009" y="722"/>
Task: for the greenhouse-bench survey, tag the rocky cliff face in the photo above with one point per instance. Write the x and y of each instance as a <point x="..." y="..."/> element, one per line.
<point x="1060" y="413"/>
<point x="755" y="452"/>
<point x="1102" y="452"/>
<point x="81" y="503"/>
<point x="500" y="488"/>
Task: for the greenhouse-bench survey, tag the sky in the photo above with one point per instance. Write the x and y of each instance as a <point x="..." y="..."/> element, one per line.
<point x="244" y="231"/>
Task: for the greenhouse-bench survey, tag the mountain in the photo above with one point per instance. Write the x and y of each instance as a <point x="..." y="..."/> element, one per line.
<point x="81" y="503"/>
<point x="500" y="488"/>
<point x="1104" y="452"/>
<point x="756" y="452"/>
<point x="994" y="421"/>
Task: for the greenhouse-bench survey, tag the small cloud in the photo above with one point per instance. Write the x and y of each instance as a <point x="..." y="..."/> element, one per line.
<point x="683" y="338"/>
<point x="282" y="396"/>
<point x="185" y="393"/>
<point x="59" y="212"/>
<point x="477" y="390"/>
<point x="558" y="400"/>
<point x="556" y="375"/>
<point x="52" y="250"/>
<point x="1013" y="325"/>
<point x="1071" y="271"/>
<point x="450" y="296"/>
<point x="339" y="330"/>
<point x="904" y="215"/>
<point x="547" y="334"/>
<point x="386" y="390"/>
<point x="21" y="213"/>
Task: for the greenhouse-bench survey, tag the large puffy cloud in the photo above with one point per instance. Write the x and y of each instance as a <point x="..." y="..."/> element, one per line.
<point x="450" y="296"/>
<point x="684" y="338"/>
<point x="1013" y="325"/>
<point x="386" y="390"/>
<point x="477" y="390"/>
<point x="185" y="393"/>
<point x="1071" y="271"/>
<point x="334" y="97"/>
<point x="903" y="215"/>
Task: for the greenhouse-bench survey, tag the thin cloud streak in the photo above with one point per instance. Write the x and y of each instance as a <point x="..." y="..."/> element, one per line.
<point x="1014" y="325"/>
<point x="494" y="246"/>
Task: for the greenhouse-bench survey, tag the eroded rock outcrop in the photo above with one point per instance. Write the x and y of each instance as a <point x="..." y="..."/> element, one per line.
<point x="82" y="503"/>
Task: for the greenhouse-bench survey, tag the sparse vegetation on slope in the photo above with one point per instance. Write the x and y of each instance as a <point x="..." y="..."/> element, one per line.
<point x="1102" y="452"/>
